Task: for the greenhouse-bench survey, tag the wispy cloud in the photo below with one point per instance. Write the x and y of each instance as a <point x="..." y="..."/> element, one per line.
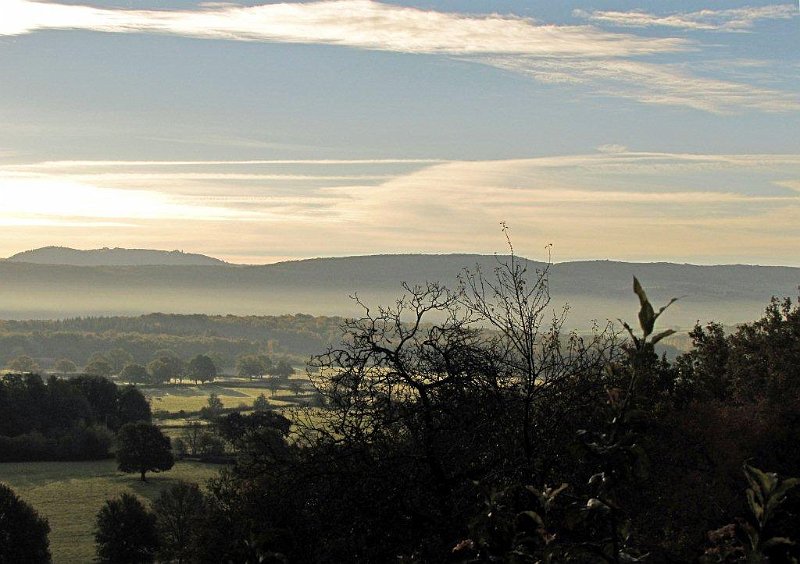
<point x="649" y="83"/>
<point x="578" y="54"/>
<point x="732" y="19"/>
<point x="694" y="205"/>
<point x="351" y="23"/>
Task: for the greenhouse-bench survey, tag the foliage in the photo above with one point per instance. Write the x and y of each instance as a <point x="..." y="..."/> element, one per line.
<point x="23" y="365"/>
<point x="142" y="447"/>
<point x="135" y="374"/>
<point x="179" y="512"/>
<point x="23" y="533"/>
<point x="261" y="403"/>
<point x="165" y="368"/>
<point x="63" y="419"/>
<point x="99" y="367"/>
<point x="71" y="494"/>
<point x="126" y="531"/>
<point x="201" y="369"/>
<point x="250" y="366"/>
<point x="65" y="366"/>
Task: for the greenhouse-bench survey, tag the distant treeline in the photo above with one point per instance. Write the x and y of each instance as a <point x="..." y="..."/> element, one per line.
<point x="229" y="337"/>
<point x="71" y="419"/>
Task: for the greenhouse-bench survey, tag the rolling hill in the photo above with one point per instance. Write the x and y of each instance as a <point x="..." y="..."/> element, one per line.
<point x="593" y="289"/>
<point x="111" y="257"/>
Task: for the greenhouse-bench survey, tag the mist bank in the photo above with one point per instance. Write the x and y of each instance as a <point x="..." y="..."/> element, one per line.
<point x="594" y="290"/>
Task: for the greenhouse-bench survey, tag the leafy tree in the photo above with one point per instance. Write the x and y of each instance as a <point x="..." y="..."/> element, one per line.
<point x="118" y="358"/>
<point x="23" y="533"/>
<point x="65" y="366"/>
<point x="282" y="370"/>
<point x="126" y="531"/>
<point x="23" y="364"/>
<point x="213" y="408"/>
<point x="261" y="403"/>
<point x="142" y="447"/>
<point x="179" y="512"/>
<point x="250" y="366"/>
<point x="165" y="368"/>
<point x="99" y="367"/>
<point x="201" y="368"/>
<point x="97" y="357"/>
<point x="135" y="374"/>
<point x="102" y="396"/>
<point x="132" y="406"/>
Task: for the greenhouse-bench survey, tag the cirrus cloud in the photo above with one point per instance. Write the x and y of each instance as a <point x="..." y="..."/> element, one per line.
<point x="609" y="63"/>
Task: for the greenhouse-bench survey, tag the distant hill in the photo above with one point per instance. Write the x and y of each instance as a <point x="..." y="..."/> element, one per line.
<point x="111" y="257"/>
<point x="593" y="289"/>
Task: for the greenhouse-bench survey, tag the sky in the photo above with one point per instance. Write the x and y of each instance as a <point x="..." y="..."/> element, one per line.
<point x="257" y="132"/>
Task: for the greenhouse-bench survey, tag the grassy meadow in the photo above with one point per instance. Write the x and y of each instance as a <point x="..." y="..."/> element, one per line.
<point x="70" y="494"/>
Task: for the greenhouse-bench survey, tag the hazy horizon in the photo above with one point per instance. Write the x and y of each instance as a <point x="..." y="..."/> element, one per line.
<point x="367" y="255"/>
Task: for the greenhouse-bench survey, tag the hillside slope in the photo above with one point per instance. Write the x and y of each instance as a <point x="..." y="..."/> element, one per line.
<point x="111" y="257"/>
<point x="594" y="289"/>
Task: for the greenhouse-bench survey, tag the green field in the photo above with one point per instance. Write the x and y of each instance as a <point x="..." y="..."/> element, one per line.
<point x="190" y="399"/>
<point x="70" y="494"/>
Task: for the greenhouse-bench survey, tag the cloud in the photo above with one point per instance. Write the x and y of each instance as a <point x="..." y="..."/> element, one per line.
<point x="363" y="24"/>
<point x="577" y="54"/>
<point x="612" y="148"/>
<point x="649" y="83"/>
<point x="733" y="19"/>
<point x="696" y="206"/>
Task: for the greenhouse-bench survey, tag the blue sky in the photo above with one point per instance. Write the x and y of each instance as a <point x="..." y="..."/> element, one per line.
<point x="261" y="131"/>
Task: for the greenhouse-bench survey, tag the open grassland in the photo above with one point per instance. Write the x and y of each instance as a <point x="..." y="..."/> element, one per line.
<point x="176" y="398"/>
<point x="70" y="494"/>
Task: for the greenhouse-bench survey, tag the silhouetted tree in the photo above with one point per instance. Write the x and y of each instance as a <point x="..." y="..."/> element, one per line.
<point x="250" y="366"/>
<point x="126" y="532"/>
<point x="165" y="368"/>
<point x="132" y="406"/>
<point x="201" y="368"/>
<point x="142" y="447"/>
<point x="135" y="374"/>
<point x="179" y="511"/>
<point x="23" y="533"/>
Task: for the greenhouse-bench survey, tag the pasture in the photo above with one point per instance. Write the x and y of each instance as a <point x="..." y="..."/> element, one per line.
<point x="190" y="398"/>
<point x="70" y="494"/>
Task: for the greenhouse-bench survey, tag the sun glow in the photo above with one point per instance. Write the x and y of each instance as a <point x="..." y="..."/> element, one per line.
<point x="33" y="200"/>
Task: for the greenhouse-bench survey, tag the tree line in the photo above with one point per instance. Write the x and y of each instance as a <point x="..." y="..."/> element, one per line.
<point x="64" y="419"/>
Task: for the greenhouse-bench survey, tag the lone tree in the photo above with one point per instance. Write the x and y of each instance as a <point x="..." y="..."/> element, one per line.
<point x="142" y="447"/>
<point x="201" y="368"/>
<point x="126" y="531"/>
<point x="23" y="533"/>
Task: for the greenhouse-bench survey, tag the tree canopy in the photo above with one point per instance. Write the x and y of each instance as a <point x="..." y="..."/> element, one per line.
<point x="125" y="532"/>
<point x="142" y="448"/>
<point x="23" y="532"/>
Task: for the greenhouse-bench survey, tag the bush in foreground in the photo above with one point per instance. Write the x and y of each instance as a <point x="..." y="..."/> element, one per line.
<point x="23" y="532"/>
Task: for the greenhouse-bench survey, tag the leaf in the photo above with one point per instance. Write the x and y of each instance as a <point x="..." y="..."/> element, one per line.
<point x="647" y="316"/>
